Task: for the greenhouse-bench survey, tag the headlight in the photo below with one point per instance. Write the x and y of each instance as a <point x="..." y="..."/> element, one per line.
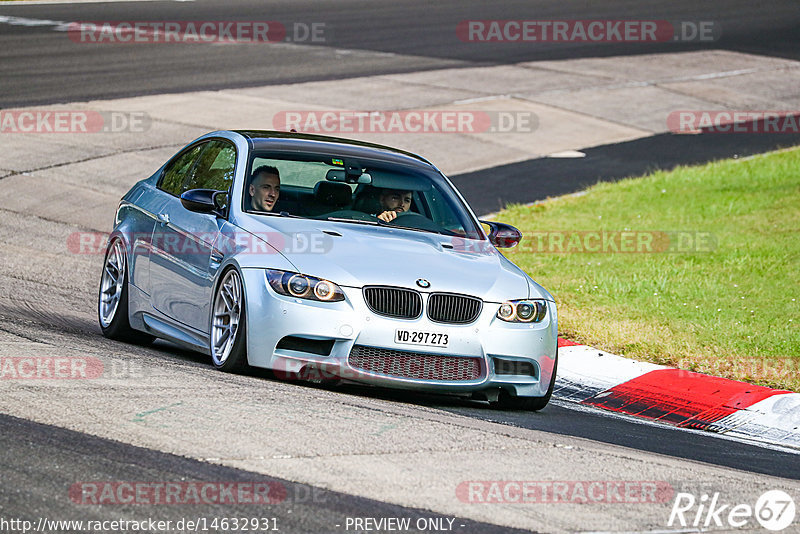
<point x="523" y="311"/>
<point x="298" y="286"/>
<point x="303" y="286"/>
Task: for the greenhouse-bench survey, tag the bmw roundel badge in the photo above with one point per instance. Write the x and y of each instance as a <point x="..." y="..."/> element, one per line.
<point x="421" y="282"/>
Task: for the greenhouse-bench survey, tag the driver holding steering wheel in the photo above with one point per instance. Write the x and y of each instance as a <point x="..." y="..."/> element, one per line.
<point x="393" y="201"/>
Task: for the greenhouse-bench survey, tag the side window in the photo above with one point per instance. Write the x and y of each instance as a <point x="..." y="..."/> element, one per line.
<point x="175" y="174"/>
<point x="215" y="168"/>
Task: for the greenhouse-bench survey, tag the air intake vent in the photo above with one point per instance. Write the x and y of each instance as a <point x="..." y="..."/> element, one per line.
<point x="394" y="302"/>
<point x="314" y="346"/>
<point x="453" y="308"/>
<point x="416" y="365"/>
<point x="513" y="367"/>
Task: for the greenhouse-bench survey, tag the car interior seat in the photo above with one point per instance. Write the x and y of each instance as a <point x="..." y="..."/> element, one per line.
<point x="367" y="200"/>
<point x="331" y="196"/>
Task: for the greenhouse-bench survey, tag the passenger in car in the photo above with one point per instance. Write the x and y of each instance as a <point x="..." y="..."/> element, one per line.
<point x="265" y="187"/>
<point x="393" y="201"/>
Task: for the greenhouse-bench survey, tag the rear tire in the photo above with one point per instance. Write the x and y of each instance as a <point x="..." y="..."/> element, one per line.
<point x="112" y="300"/>
<point x="228" y="337"/>
<point x="507" y="401"/>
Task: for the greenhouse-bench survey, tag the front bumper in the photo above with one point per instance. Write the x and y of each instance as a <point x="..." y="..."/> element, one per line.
<point x="516" y="357"/>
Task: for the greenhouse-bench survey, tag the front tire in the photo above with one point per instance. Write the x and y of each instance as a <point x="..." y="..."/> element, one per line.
<point x="112" y="300"/>
<point x="228" y="324"/>
<point x="507" y="401"/>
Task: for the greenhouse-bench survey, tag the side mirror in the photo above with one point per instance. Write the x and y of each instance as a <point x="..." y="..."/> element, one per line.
<point x="503" y="235"/>
<point x="205" y="201"/>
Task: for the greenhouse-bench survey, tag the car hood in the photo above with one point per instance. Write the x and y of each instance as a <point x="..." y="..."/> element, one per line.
<point x="357" y="255"/>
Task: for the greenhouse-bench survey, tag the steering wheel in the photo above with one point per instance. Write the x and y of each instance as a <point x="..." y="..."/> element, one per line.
<point x="411" y="219"/>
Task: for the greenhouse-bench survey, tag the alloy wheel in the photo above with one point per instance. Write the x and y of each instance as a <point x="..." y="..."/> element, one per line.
<point x="227" y="311"/>
<point x="111" y="283"/>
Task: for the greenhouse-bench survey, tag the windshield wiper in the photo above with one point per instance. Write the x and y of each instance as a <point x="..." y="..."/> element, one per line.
<point x="437" y="232"/>
<point x="356" y="221"/>
<point x="276" y="214"/>
<point x="380" y="222"/>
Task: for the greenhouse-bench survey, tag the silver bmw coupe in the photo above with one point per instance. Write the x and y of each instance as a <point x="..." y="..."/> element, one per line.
<point x="327" y="259"/>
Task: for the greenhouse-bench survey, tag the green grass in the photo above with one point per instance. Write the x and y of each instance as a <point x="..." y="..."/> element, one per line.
<point x="730" y="309"/>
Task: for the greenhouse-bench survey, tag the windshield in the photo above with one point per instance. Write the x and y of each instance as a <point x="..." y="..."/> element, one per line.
<point x="360" y="192"/>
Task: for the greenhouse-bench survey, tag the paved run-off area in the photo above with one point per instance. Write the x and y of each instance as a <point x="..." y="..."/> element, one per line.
<point x="54" y="185"/>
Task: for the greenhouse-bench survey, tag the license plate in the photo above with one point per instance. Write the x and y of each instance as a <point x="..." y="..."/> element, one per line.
<point x="420" y="337"/>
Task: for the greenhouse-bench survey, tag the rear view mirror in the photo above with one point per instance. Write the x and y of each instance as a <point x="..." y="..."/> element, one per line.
<point x="503" y="235"/>
<point x="339" y="175"/>
<point x="335" y="175"/>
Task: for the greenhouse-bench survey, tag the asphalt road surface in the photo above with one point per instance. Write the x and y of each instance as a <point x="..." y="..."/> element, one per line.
<point x="607" y="163"/>
<point x="41" y="464"/>
<point x="39" y="65"/>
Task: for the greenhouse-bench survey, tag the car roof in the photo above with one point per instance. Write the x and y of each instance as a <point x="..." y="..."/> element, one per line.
<point x="299" y="142"/>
